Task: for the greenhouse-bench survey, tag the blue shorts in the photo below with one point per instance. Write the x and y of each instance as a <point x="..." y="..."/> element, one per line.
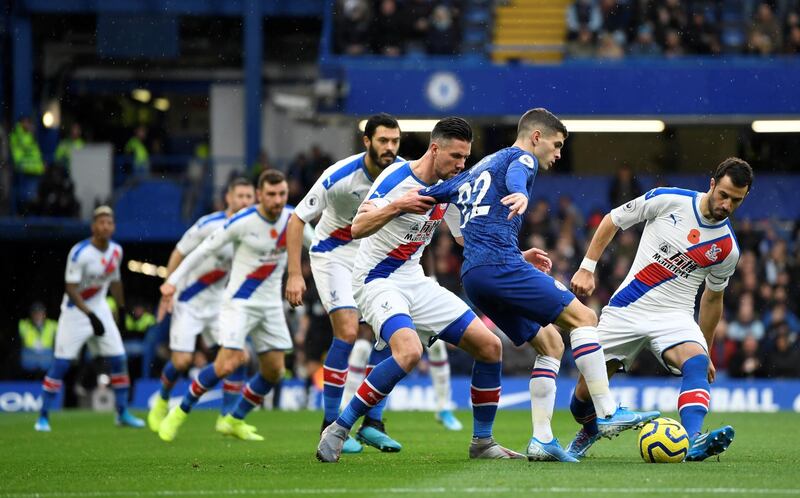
<point x="517" y="297"/>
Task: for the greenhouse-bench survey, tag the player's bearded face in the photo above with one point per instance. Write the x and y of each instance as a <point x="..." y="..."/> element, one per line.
<point x="103" y="227"/>
<point x="273" y="198"/>
<point x="724" y="198"/>
<point x="382" y="149"/>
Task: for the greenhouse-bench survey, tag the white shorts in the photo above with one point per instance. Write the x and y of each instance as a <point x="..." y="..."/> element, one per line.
<point x="75" y="330"/>
<point x="266" y="326"/>
<point x="624" y="333"/>
<point x="187" y="323"/>
<point x="334" y="279"/>
<point x="431" y="307"/>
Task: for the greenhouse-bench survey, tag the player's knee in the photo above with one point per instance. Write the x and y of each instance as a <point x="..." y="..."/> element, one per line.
<point x="274" y="375"/>
<point x="408" y="355"/>
<point x="490" y="350"/>
<point x="346" y="334"/>
<point x="181" y="364"/>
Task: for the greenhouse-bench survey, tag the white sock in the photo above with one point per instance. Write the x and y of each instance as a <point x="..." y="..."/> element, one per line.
<point x="591" y="362"/>
<point x="356" y="366"/>
<point x="440" y="374"/>
<point x="543" y="396"/>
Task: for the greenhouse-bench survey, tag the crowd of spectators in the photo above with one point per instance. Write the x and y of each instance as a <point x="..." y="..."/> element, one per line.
<point x="613" y="29"/>
<point x="396" y="27"/>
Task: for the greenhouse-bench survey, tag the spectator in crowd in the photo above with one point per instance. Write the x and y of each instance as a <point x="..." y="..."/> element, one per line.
<point x="723" y="348"/>
<point x="582" y="46"/>
<point x="583" y="14"/>
<point x="353" y="27"/>
<point x="617" y="19"/>
<point x="784" y="360"/>
<point x="748" y="361"/>
<point x="56" y="195"/>
<point x="609" y="47"/>
<point x="67" y="145"/>
<point x="746" y="324"/>
<point x="624" y="187"/>
<point x="388" y="30"/>
<point x="443" y="35"/>
<point x="417" y="21"/>
<point x="701" y="36"/>
<point x="793" y="41"/>
<point x="137" y="150"/>
<point x="666" y="18"/>
<point x="644" y="45"/>
<point x="777" y="262"/>
<point x="37" y="334"/>
<point x="28" y="164"/>
<point x="139" y="321"/>
<point x="765" y="36"/>
<point x="672" y="44"/>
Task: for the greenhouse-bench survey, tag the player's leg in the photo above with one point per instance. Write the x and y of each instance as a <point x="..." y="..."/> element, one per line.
<point x="110" y="347"/>
<point x="583" y="411"/>
<point x="694" y="400"/>
<point x="183" y="330"/>
<point x="335" y="367"/>
<point x="356" y="367"/>
<point x="73" y="331"/>
<point x="373" y="431"/>
<point x="543" y="446"/>
<point x="486" y="349"/>
<point x="440" y="377"/>
<point x="271" y="368"/>
<point x="398" y="330"/>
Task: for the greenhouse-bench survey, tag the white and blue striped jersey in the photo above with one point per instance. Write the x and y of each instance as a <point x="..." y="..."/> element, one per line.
<point x="679" y="249"/>
<point x="396" y="248"/>
<point x="336" y="195"/>
<point x="203" y="284"/>
<point x="259" y="256"/>
<point x="93" y="270"/>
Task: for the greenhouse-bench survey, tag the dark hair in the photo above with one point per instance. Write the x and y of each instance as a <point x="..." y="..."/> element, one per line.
<point x="271" y="176"/>
<point x="381" y="119"/>
<point x="239" y="181"/>
<point x="740" y="173"/>
<point x="544" y="118"/>
<point x="452" y="128"/>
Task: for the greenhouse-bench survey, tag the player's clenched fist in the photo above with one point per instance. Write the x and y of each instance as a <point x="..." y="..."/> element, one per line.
<point x="583" y="283"/>
<point x="295" y="287"/>
<point x="412" y="202"/>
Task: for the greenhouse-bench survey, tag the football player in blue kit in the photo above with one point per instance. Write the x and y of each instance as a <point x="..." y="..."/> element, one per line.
<point x="513" y="288"/>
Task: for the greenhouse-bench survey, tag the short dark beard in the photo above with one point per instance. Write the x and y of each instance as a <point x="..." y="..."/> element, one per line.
<point x="376" y="159"/>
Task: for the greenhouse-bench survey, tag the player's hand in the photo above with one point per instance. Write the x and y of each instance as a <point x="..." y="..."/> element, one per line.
<point x="582" y="283"/>
<point x="295" y="288"/>
<point x="517" y="204"/>
<point x="97" y="325"/>
<point x="712" y="372"/>
<point x="538" y="258"/>
<point x="164" y="307"/>
<point x="412" y="202"/>
<point x="167" y="289"/>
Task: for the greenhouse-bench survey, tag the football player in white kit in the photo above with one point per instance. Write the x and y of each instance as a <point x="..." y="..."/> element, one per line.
<point x="92" y="268"/>
<point x="252" y="304"/>
<point x="196" y="309"/>
<point x="336" y="196"/>
<point x="687" y="240"/>
<point x="403" y="306"/>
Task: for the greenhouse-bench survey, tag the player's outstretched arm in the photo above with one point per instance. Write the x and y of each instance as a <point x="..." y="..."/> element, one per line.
<point x="295" y="284"/>
<point x="711" y="304"/>
<point x="583" y="281"/>
<point x="373" y="214"/>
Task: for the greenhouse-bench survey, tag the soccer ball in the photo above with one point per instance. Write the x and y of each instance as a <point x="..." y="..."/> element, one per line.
<point x="663" y="440"/>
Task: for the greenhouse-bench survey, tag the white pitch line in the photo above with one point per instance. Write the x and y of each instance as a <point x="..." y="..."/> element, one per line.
<point x="404" y="491"/>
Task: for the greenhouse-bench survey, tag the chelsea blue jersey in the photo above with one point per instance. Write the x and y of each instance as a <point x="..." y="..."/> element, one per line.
<point x="490" y="238"/>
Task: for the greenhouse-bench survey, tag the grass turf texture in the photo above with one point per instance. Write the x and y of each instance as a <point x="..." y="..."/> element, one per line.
<point x="86" y="455"/>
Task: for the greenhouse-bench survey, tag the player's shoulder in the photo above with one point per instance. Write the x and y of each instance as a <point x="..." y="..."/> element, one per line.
<point x="732" y="233"/>
<point x="342" y="169"/>
<point x="78" y="249"/>
<point x="211" y="218"/>
<point x="526" y="158"/>
<point x="395" y="174"/>
<point x="670" y="193"/>
<point x="241" y="215"/>
<point x="115" y="246"/>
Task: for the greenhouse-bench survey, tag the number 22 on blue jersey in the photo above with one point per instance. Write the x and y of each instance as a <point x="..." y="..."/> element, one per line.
<point x="470" y="196"/>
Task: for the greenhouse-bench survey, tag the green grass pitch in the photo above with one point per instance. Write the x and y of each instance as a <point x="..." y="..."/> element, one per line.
<point x="86" y="455"/>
